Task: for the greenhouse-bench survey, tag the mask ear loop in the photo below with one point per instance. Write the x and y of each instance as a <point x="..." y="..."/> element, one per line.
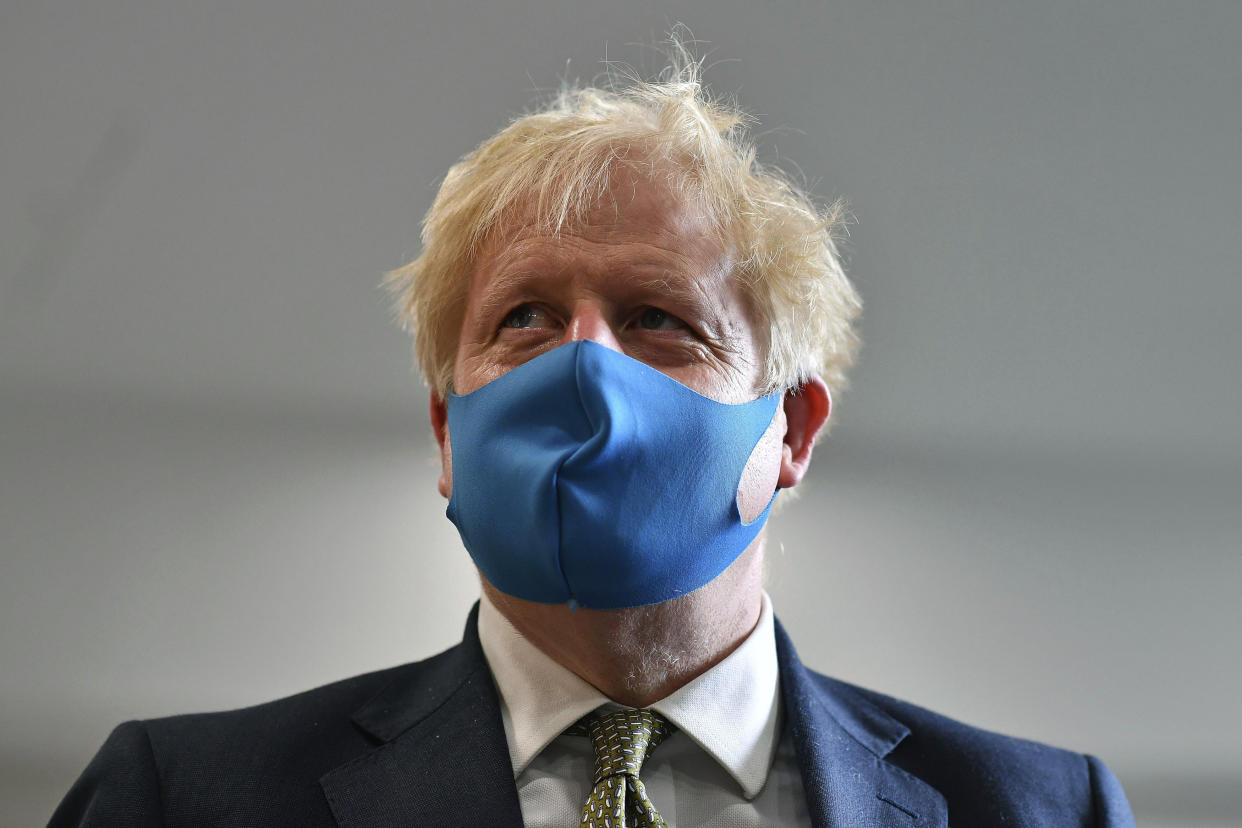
<point x="779" y="397"/>
<point x="767" y="510"/>
<point x="772" y="501"/>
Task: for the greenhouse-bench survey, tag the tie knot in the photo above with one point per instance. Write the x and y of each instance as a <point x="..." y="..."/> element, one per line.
<point x="622" y="739"/>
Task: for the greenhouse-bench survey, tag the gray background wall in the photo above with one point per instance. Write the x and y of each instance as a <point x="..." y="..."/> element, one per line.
<point x="216" y="483"/>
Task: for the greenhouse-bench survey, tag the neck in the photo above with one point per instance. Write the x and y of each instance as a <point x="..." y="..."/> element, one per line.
<point x="640" y="655"/>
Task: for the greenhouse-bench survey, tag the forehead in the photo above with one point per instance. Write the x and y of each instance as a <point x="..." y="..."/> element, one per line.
<point x="635" y="223"/>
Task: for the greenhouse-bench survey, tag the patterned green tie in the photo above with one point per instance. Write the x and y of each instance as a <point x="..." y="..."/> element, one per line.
<point x="622" y="739"/>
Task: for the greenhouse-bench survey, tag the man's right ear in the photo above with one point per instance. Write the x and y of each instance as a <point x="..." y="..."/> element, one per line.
<point x="439" y="424"/>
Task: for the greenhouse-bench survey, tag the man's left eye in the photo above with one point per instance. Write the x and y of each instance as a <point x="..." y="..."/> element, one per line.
<point x="654" y="319"/>
<point x="523" y="316"/>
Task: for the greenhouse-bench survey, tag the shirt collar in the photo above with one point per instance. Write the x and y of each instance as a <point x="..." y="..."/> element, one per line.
<point x="732" y="711"/>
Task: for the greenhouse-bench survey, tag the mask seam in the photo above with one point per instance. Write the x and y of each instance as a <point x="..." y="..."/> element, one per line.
<point x="560" y="512"/>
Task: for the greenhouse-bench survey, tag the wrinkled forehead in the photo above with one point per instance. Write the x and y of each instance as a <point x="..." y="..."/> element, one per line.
<point x="640" y="233"/>
<point x="660" y="200"/>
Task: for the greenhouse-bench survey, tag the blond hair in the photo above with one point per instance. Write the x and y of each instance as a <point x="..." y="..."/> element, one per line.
<point x="561" y="159"/>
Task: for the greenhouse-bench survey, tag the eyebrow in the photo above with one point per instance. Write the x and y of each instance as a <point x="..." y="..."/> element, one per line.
<point x="503" y="287"/>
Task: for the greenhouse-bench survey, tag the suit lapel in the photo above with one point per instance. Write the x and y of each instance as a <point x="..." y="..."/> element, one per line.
<point x="442" y="757"/>
<point x="841" y="740"/>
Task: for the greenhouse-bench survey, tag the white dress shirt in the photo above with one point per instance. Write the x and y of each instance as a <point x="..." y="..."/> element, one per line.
<point x="726" y="765"/>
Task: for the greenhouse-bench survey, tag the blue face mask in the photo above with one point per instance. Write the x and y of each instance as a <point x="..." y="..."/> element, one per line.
<point x="588" y="477"/>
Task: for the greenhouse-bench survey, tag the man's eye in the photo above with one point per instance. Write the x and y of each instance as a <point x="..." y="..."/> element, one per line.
<point x="523" y="316"/>
<point x="654" y="319"/>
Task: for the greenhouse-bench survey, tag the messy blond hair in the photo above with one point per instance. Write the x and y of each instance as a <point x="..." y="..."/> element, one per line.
<point x="560" y="161"/>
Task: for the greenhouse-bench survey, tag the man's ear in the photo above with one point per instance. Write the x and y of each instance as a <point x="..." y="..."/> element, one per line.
<point x="806" y="410"/>
<point x="439" y="424"/>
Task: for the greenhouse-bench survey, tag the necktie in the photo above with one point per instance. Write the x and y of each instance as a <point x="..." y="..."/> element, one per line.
<point x="622" y="740"/>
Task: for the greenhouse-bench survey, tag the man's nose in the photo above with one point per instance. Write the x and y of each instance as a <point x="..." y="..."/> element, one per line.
<point x="591" y="323"/>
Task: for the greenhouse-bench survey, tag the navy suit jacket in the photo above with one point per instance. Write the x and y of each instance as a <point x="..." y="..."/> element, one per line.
<point x="423" y="744"/>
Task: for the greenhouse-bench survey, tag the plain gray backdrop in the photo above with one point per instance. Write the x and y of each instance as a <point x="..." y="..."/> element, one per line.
<point x="216" y="476"/>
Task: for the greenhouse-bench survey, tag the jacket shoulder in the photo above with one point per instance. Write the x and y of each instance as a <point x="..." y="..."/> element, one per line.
<point x="989" y="778"/>
<point x="256" y="765"/>
<point x="287" y="719"/>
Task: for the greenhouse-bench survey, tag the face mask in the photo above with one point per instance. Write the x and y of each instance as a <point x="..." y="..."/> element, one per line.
<point x="588" y="477"/>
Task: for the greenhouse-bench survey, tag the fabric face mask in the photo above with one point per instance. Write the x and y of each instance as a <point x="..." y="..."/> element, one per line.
<point x="585" y="476"/>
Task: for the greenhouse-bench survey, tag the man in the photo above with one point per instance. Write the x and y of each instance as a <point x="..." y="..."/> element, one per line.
<point x="631" y="332"/>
